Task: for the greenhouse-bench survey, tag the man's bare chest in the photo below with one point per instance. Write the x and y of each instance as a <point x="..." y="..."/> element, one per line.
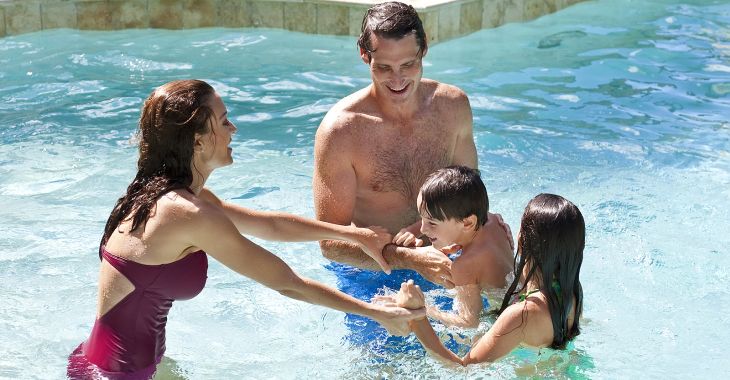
<point x="400" y="163"/>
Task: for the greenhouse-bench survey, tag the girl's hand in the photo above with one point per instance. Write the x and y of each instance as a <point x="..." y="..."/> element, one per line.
<point x="372" y="240"/>
<point x="395" y="318"/>
<point x="406" y="238"/>
<point x="410" y="296"/>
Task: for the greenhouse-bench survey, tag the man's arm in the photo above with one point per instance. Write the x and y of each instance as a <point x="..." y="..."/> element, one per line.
<point x="334" y="184"/>
<point x="465" y="152"/>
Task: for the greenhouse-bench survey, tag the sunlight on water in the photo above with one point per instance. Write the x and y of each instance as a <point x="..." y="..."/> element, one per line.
<point x="621" y="106"/>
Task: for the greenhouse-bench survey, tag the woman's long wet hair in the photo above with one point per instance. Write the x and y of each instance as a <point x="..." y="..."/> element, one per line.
<point x="551" y="243"/>
<point x="171" y="116"/>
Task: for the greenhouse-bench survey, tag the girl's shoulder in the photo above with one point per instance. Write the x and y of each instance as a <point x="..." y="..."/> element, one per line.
<point x="532" y="315"/>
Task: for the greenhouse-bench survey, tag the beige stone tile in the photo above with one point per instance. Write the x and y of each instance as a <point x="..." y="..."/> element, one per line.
<point x="430" y="20"/>
<point x="234" y="13"/>
<point x="130" y="14"/>
<point x="300" y="17"/>
<point x="2" y="22"/>
<point x="96" y="15"/>
<point x="493" y="14"/>
<point x="356" y="16"/>
<point x="514" y="11"/>
<point x="22" y="18"/>
<point x="333" y="19"/>
<point x="471" y="17"/>
<point x="58" y="15"/>
<point x="536" y="8"/>
<point x="199" y="13"/>
<point x="449" y="22"/>
<point x="267" y="14"/>
<point x="165" y="14"/>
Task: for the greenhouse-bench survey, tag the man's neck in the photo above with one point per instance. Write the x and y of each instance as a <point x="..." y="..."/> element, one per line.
<point x="399" y="111"/>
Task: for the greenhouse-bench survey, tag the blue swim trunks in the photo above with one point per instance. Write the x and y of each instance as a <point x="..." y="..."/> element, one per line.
<point x="364" y="285"/>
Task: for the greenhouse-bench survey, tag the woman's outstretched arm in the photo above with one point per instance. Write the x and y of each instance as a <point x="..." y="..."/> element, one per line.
<point x="210" y="230"/>
<point x="280" y="226"/>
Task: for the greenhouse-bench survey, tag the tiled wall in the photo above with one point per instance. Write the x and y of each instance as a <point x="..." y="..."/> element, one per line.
<point x="443" y="19"/>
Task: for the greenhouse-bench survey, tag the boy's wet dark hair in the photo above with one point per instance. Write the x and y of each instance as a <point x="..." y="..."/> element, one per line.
<point x="455" y="192"/>
<point x="391" y="20"/>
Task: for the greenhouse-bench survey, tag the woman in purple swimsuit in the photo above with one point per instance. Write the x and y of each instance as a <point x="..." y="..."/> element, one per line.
<point x="159" y="234"/>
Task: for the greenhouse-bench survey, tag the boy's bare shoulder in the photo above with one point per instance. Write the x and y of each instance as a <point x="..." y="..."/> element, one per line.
<point x="483" y="263"/>
<point x="465" y="269"/>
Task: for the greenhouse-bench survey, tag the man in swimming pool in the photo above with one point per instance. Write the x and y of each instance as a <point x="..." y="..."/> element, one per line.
<point x="375" y="147"/>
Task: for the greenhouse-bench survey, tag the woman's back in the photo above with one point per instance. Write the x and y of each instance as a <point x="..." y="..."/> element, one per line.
<point x="141" y="274"/>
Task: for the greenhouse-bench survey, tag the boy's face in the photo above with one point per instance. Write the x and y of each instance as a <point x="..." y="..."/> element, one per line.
<point x="441" y="232"/>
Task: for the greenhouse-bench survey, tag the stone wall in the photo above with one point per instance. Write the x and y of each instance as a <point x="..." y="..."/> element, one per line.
<point x="443" y="19"/>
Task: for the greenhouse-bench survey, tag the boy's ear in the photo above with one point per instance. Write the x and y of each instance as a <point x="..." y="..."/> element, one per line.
<point x="470" y="222"/>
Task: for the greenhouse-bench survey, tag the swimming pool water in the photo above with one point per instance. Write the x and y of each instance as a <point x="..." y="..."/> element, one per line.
<point x="621" y="106"/>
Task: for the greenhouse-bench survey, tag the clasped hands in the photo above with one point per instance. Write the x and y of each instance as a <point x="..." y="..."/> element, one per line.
<point x="409" y="296"/>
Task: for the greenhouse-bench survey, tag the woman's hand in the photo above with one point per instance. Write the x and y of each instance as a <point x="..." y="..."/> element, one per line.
<point x="372" y="240"/>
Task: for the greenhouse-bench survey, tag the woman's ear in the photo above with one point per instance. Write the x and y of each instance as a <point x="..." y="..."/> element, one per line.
<point x="198" y="144"/>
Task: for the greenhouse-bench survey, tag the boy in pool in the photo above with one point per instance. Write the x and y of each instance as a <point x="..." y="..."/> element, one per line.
<point x="454" y="209"/>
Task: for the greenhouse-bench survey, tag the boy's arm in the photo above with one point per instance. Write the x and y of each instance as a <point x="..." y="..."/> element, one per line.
<point x="468" y="301"/>
<point x="468" y="306"/>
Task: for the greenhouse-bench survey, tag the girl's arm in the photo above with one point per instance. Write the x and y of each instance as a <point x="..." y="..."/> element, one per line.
<point x="468" y="306"/>
<point x="233" y="250"/>
<point x="280" y="226"/>
<point x="506" y="334"/>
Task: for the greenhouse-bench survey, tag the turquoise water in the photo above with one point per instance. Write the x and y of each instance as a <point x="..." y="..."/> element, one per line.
<point x="625" y="110"/>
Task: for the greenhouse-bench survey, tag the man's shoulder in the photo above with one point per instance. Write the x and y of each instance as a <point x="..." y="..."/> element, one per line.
<point x="445" y="92"/>
<point x="349" y="112"/>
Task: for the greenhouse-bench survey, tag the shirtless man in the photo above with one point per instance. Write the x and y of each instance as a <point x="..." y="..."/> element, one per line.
<point x="375" y="147"/>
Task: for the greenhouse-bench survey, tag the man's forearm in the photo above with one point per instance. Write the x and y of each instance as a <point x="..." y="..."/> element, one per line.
<point x="351" y="254"/>
<point x="347" y="253"/>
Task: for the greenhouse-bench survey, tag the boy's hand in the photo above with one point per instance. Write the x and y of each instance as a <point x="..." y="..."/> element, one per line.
<point x="406" y="238"/>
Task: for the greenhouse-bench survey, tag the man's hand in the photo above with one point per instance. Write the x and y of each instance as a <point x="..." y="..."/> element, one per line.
<point x="432" y="264"/>
<point x="506" y="229"/>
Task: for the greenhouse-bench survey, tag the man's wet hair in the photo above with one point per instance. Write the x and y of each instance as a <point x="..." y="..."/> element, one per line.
<point x="391" y="20"/>
<point x="455" y="192"/>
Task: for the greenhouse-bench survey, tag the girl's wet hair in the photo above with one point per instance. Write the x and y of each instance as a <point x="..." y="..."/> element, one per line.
<point x="455" y="192"/>
<point x="171" y="116"/>
<point x="551" y="243"/>
<point x="391" y="20"/>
